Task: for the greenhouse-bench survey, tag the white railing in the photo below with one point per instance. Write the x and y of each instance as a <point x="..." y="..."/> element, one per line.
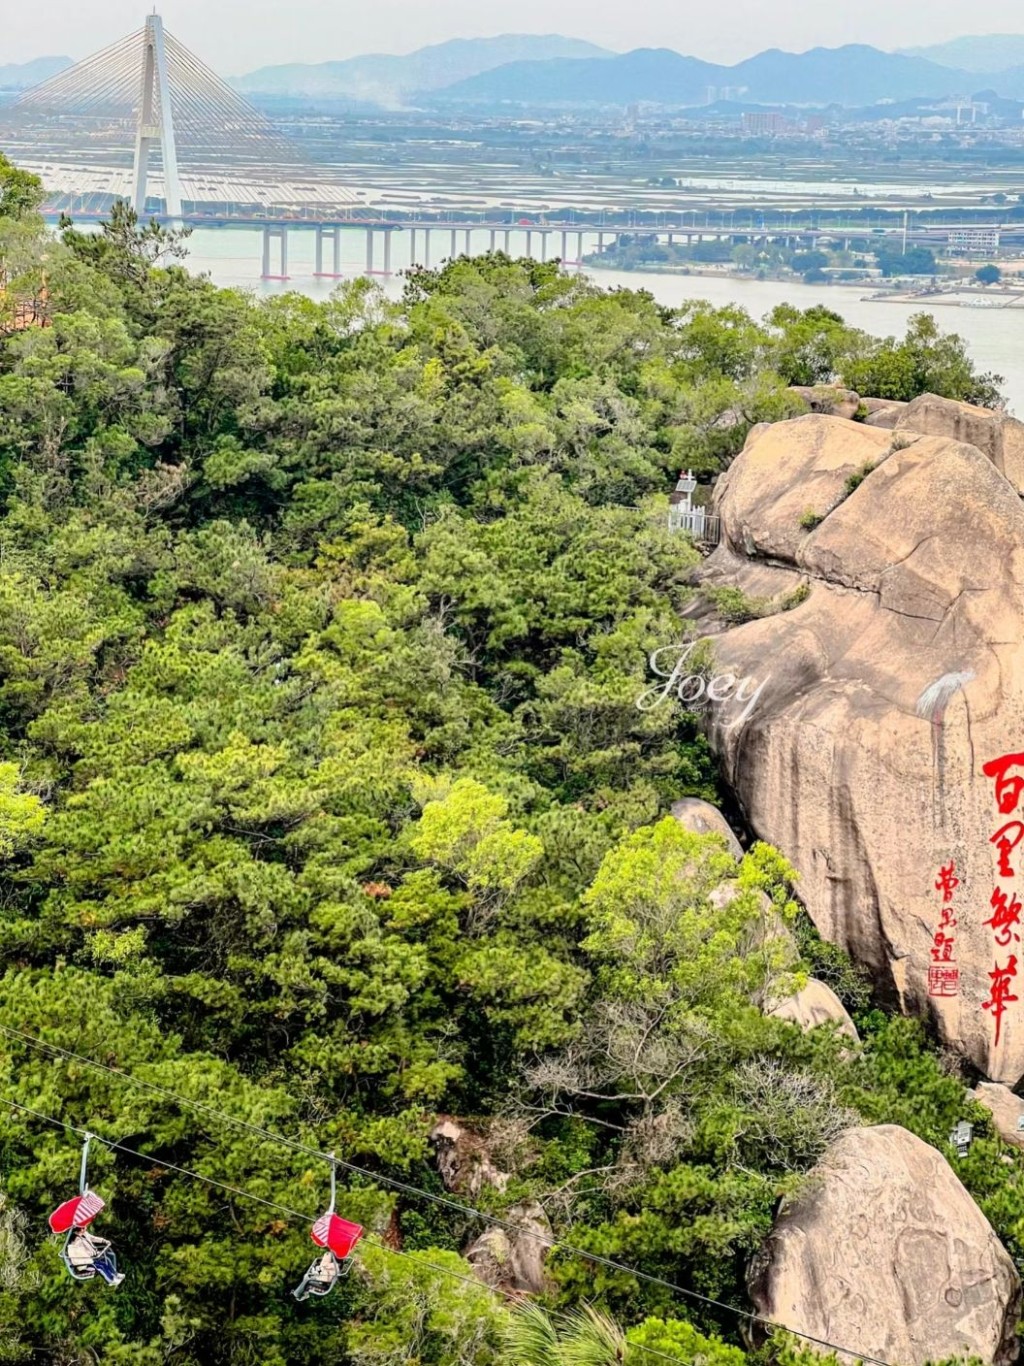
<point x="703" y="526"/>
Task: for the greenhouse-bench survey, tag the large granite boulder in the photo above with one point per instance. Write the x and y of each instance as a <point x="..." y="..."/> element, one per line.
<point x="701" y="818"/>
<point x="512" y="1261"/>
<point x="1006" y="1109"/>
<point x="874" y="705"/>
<point x="871" y="406"/>
<point x="999" y="436"/>
<point x="814" y="1005"/>
<point x="885" y="1253"/>
<point x="884" y="414"/>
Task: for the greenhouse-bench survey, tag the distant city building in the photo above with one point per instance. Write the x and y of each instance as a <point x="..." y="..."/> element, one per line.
<point x="973" y="241"/>
<point x="765" y="125"/>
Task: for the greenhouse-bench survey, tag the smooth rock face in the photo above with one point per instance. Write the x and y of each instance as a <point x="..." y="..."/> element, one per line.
<point x="792" y="469"/>
<point x="885" y="415"/>
<point x="1007" y="1111"/>
<point x="701" y="818"/>
<point x="884" y="1252"/>
<point x="814" y="1005"/>
<point x="883" y="695"/>
<point x="871" y="406"/>
<point x="999" y="436"/>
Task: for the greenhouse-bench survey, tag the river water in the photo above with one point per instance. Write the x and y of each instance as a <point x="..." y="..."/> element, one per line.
<point x="995" y="336"/>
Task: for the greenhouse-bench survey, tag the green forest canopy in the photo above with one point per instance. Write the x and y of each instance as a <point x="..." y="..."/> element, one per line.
<point x="325" y="802"/>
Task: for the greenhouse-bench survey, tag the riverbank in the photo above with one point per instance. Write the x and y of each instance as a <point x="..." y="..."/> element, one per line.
<point x="716" y="272"/>
<point x="958" y="294"/>
<point x="956" y="297"/>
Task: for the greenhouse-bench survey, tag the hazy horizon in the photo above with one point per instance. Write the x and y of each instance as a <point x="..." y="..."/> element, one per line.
<point x="235" y="38"/>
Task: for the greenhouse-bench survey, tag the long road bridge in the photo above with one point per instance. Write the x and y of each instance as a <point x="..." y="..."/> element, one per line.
<point x="431" y="240"/>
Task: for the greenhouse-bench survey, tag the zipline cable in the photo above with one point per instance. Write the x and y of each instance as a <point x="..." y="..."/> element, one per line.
<point x="407" y="1189"/>
<point x="305" y="1219"/>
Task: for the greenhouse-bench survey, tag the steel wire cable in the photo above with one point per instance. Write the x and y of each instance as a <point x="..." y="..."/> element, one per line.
<point x="417" y="1192"/>
<point x="305" y="1219"/>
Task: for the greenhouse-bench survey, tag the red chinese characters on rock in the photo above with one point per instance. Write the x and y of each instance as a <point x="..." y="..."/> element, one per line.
<point x="1008" y="789"/>
<point x="1006" y="841"/>
<point x="1000" y="996"/>
<point x="1005" y="922"/>
<point x="943" y="974"/>
<point x="947" y="882"/>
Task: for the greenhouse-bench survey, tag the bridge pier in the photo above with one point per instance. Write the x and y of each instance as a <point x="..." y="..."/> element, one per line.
<point x="494" y="238"/>
<point x="334" y="236"/>
<point x="579" y="249"/>
<point x="600" y="243"/>
<point x="426" y="248"/>
<point x="508" y="242"/>
<point x="469" y="249"/>
<point x="371" y="234"/>
<point x="271" y="233"/>
<point x="455" y="249"/>
<point x="529" y="244"/>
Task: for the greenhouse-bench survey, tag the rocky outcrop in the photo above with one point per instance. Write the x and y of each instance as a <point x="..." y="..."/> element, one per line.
<point x="701" y="818"/>
<point x="814" y="1005"/>
<point x="463" y="1161"/>
<point x="510" y="1260"/>
<point x="827" y="398"/>
<point x="884" y="414"/>
<point x="514" y="1261"/>
<point x="881" y="698"/>
<point x="885" y="1253"/>
<point x="1006" y="1109"/>
<point x="999" y="436"/>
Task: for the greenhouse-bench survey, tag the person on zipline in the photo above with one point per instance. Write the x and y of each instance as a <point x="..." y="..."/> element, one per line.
<point x="86" y="1255"/>
<point x="320" y="1278"/>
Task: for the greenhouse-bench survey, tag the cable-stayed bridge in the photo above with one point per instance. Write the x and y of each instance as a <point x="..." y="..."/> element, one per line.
<point x="146" y="120"/>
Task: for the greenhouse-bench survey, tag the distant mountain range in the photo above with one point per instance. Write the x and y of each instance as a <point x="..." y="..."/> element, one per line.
<point x="383" y="79"/>
<point x="555" y="71"/>
<point x="20" y="76"/>
<point x="852" y="75"/>
<point x="987" y="53"/>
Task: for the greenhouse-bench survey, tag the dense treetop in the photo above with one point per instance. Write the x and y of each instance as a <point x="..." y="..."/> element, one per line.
<point x="325" y="801"/>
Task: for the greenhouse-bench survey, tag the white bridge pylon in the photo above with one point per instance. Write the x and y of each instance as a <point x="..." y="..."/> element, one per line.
<point x="195" y="139"/>
<point x="156" y="123"/>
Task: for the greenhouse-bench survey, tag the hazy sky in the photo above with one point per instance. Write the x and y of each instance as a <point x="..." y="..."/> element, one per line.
<point x="233" y="36"/>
